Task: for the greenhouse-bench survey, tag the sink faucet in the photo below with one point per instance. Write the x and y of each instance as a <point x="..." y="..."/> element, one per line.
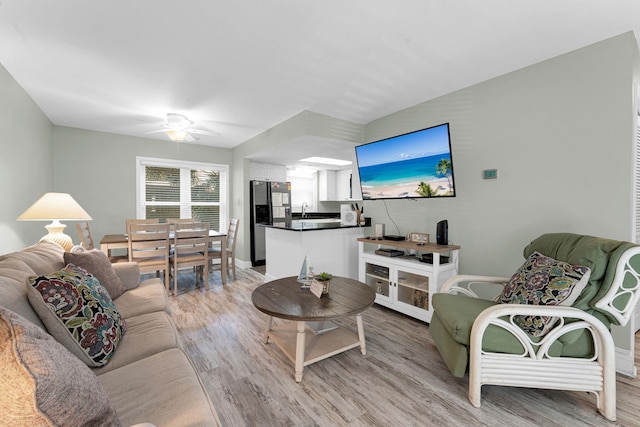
<point x="304" y="209"/>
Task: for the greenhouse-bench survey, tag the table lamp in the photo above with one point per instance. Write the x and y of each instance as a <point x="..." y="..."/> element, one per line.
<point x="56" y="207"/>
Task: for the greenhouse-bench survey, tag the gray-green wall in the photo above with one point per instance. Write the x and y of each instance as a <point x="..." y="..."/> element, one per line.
<point x="26" y="163"/>
<point x="560" y="134"/>
<point x="99" y="170"/>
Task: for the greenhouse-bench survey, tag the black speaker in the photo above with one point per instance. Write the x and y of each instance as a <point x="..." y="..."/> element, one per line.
<point x="442" y="232"/>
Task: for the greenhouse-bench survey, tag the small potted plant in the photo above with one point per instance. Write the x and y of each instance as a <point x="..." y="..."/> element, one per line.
<point x="325" y="279"/>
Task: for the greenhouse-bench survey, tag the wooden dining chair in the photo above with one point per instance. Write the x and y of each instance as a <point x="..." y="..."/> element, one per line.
<point x="189" y="249"/>
<point x="84" y="233"/>
<point x="216" y="252"/>
<point x="149" y="246"/>
<point x="173" y="221"/>
<point x="86" y="240"/>
<point x="141" y="221"/>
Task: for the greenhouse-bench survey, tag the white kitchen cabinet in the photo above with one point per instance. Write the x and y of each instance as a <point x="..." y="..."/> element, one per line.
<point x="326" y="185"/>
<point x="405" y="284"/>
<point x="343" y="184"/>
<point x="266" y="172"/>
<point x="335" y="185"/>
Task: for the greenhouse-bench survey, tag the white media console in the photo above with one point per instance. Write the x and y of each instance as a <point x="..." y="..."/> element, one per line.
<point x="404" y="283"/>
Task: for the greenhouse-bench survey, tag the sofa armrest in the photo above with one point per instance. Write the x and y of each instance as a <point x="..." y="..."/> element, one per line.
<point x="129" y="273"/>
<point x="486" y="287"/>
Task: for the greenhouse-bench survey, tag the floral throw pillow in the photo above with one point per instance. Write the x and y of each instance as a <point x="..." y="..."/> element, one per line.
<point x="78" y="311"/>
<point x="542" y="280"/>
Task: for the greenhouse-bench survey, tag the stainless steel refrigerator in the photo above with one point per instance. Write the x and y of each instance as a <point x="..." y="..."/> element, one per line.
<point x="270" y="205"/>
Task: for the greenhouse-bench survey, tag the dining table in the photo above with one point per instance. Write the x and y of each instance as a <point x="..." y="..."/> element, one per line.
<point x="110" y="242"/>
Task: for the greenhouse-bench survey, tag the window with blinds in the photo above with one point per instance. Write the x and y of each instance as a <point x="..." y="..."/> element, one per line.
<point x="635" y="195"/>
<point x="637" y="178"/>
<point x="175" y="189"/>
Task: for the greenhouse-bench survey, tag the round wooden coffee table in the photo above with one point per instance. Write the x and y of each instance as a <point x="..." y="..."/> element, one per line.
<point x="312" y="336"/>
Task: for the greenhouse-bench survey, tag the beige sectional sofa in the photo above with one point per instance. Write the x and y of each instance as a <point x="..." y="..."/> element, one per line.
<point x="148" y="379"/>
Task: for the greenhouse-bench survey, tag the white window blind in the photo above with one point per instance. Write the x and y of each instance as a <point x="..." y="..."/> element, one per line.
<point x="177" y="189"/>
<point x="304" y="188"/>
<point x="637" y="178"/>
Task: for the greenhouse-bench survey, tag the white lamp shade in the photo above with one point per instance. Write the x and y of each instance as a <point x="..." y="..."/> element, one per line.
<point x="55" y="206"/>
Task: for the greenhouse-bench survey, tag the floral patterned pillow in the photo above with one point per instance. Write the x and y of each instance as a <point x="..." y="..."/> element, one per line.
<point x="542" y="280"/>
<point x="78" y="311"/>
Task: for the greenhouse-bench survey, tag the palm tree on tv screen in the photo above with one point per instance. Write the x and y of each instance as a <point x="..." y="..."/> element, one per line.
<point x="444" y="168"/>
<point x="425" y="190"/>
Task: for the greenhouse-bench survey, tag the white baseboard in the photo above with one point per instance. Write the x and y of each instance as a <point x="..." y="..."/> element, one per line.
<point x="243" y="264"/>
<point x="625" y="364"/>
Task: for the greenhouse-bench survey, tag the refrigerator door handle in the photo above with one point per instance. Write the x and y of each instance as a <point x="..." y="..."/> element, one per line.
<point x="269" y="207"/>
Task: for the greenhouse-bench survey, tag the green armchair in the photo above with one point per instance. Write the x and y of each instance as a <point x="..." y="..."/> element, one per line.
<point x="548" y="326"/>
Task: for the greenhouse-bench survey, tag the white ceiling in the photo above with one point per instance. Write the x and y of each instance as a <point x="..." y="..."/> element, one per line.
<point x="240" y="67"/>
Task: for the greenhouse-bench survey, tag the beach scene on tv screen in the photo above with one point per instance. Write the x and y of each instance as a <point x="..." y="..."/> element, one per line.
<point x="414" y="165"/>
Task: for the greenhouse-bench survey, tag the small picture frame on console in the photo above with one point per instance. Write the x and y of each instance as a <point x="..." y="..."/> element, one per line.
<point x="420" y="238"/>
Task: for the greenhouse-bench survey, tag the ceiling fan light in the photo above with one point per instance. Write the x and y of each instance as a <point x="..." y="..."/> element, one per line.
<point x="178" y="121"/>
<point x="177" y="135"/>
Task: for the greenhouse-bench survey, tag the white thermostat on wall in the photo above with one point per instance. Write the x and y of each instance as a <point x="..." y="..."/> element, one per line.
<point x="347" y="215"/>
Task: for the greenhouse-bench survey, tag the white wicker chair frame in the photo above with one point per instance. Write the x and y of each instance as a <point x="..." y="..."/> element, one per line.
<point x="535" y="368"/>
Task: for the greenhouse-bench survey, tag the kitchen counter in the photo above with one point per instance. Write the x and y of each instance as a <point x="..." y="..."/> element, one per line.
<point x="314" y="224"/>
<point x="331" y="248"/>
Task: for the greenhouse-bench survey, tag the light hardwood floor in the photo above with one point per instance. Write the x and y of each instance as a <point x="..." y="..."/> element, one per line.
<point x="402" y="381"/>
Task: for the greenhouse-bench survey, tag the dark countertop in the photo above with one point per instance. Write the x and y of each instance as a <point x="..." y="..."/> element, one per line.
<point x="310" y="226"/>
<point x="308" y="223"/>
<point x="315" y="215"/>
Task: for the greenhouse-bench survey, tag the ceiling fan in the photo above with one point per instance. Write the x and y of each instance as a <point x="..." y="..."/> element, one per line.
<point x="178" y="128"/>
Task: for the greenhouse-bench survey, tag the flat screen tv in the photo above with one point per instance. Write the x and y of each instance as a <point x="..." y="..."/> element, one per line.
<point x="413" y="165"/>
